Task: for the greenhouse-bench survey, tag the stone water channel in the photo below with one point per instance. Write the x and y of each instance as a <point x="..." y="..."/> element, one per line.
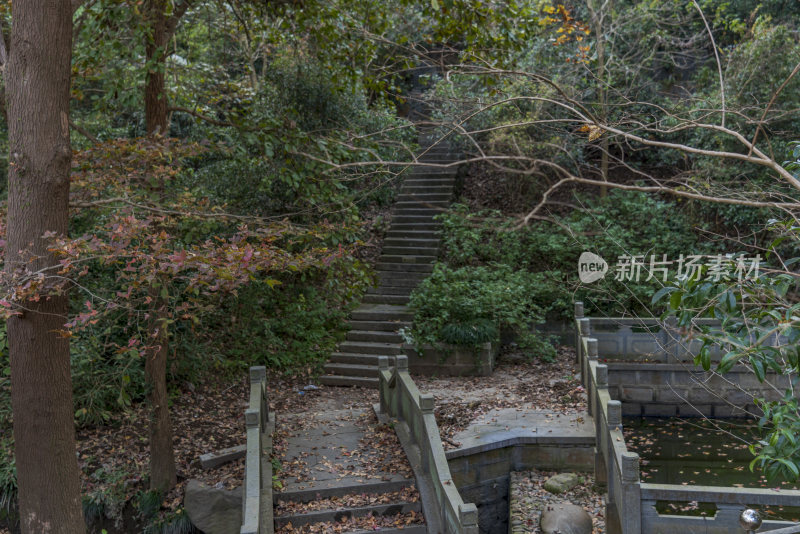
<point x="666" y="475"/>
<point x="701" y="452"/>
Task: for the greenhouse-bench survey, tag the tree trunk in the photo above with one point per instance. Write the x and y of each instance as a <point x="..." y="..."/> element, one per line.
<point x="155" y="97"/>
<point x="162" y="456"/>
<point x="599" y="22"/>
<point x="38" y="85"/>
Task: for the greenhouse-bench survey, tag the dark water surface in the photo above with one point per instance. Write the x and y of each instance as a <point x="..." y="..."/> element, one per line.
<point x="699" y="452"/>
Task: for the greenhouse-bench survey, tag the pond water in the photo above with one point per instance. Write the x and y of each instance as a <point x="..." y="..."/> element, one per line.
<point x="699" y="452"/>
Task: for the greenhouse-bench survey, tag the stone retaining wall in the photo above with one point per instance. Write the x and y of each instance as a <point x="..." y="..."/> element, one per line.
<point x="451" y="360"/>
<point x="651" y="371"/>
<point x="482" y="473"/>
<point x="667" y="390"/>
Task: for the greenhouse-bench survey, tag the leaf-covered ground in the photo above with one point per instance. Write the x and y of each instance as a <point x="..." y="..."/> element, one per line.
<point x="354" y="524"/>
<point x="531" y="498"/>
<point x="206" y="417"/>
<point x="354" y="500"/>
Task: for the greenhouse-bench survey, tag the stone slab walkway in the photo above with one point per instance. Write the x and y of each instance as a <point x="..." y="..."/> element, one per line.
<point x="339" y="450"/>
<point x="531" y="426"/>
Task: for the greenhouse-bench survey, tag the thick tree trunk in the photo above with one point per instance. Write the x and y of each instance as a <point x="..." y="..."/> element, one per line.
<point x="162" y="457"/>
<point x="155" y="97"/>
<point x="38" y="85"/>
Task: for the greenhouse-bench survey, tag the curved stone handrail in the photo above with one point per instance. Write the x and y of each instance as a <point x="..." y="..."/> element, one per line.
<point x="400" y="399"/>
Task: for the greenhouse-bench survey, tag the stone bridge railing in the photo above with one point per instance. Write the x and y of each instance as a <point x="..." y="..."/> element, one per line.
<point x="631" y="505"/>
<point x="257" y="488"/>
<point x="400" y="399"/>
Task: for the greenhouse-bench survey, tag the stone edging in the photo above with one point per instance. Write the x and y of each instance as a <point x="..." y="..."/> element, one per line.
<point x="257" y="514"/>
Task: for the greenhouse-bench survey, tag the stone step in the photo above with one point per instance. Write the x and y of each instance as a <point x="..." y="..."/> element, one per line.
<point x="428" y="213"/>
<point x="385" y="299"/>
<point x="430" y="180"/>
<point x="315" y="493"/>
<point x="374" y="336"/>
<point x="386" y="289"/>
<point x="425" y="189"/>
<point x="403" y="219"/>
<point x="378" y="326"/>
<point x="403" y="281"/>
<point x="335" y="516"/>
<point x="437" y="204"/>
<point x="413" y="251"/>
<point x="409" y="259"/>
<point x="423" y="197"/>
<point x="356" y="381"/>
<point x="429" y="175"/>
<point x="382" y="312"/>
<point x="422" y="189"/>
<point x="437" y="149"/>
<point x="351" y="358"/>
<point x="440" y="158"/>
<point x="369" y="347"/>
<point x="417" y="173"/>
<point x="432" y="167"/>
<point x="431" y="235"/>
<point x="408" y="529"/>
<point x="415" y="227"/>
<point x="351" y="369"/>
<point x="403" y="267"/>
<point x="410" y="239"/>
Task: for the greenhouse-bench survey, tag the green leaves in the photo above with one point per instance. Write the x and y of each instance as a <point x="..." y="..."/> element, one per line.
<point x="758" y="328"/>
<point x="472" y="305"/>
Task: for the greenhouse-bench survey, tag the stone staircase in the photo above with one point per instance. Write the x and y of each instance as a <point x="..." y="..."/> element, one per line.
<point x="343" y="470"/>
<point x="383" y="501"/>
<point x="409" y="250"/>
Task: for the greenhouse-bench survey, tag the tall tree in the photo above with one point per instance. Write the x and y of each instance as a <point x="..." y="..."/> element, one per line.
<point x="162" y="18"/>
<point x="38" y="93"/>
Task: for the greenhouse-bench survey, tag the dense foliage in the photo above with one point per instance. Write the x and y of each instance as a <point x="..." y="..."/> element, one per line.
<point x="236" y="235"/>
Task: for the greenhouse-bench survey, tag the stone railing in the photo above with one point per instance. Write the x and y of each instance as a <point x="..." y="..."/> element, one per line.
<point x="401" y="400"/>
<point x="631" y="505"/>
<point x="257" y="487"/>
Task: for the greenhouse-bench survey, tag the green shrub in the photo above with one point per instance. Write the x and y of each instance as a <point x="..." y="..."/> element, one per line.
<point x="469" y="306"/>
<point x="621" y="224"/>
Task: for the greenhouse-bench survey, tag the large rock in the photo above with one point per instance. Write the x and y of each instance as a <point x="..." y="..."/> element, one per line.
<point x="565" y="518"/>
<point x="212" y="510"/>
<point x="562" y="483"/>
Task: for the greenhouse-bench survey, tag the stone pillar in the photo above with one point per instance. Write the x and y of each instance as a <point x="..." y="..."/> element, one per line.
<point x="586" y="367"/>
<point x="585" y="326"/>
<point x="426" y="406"/>
<point x="468" y="517"/>
<point x="258" y="378"/>
<point x="383" y="365"/>
<point x="600" y="468"/>
<point x="602" y="376"/>
<point x="673" y="346"/>
<point x="578" y="317"/>
<point x="401" y="363"/>
<point x="614" y="421"/>
<point x="631" y="497"/>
